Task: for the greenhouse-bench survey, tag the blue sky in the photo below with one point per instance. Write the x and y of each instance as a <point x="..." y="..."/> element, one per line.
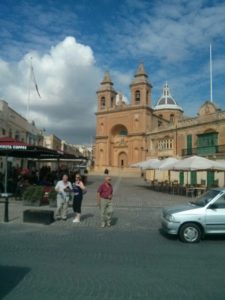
<point x="73" y="42"/>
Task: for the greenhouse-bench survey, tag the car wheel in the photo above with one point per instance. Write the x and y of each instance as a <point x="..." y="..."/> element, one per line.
<point x="190" y="233"/>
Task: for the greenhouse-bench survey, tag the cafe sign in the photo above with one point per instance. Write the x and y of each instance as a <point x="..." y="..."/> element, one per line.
<point x="13" y="147"/>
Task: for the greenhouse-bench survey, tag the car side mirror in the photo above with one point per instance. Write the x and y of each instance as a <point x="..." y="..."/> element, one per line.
<point x="213" y="206"/>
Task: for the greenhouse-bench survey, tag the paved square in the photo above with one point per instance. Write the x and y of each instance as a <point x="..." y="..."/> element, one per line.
<point x="130" y="260"/>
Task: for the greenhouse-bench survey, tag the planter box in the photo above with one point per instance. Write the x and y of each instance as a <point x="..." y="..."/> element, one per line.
<point x="52" y="203"/>
<point x="52" y="196"/>
<point x="33" y="195"/>
<point x="39" y="216"/>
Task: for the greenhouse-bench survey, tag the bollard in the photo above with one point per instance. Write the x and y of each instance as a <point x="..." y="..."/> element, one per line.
<point x="6" y="214"/>
<point x="6" y="196"/>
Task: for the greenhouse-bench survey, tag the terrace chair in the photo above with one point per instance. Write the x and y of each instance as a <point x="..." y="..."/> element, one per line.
<point x="175" y="187"/>
<point x="190" y="190"/>
<point x="215" y="183"/>
<point x="203" y="182"/>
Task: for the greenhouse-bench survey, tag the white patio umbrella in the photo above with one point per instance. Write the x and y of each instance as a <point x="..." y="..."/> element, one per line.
<point x="149" y="165"/>
<point x="164" y="164"/>
<point x="167" y="164"/>
<point x="137" y="165"/>
<point x="194" y="163"/>
<point x="143" y="164"/>
<point x="219" y="165"/>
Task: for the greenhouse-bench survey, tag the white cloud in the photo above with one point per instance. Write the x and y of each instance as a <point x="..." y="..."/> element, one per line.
<point x="172" y="39"/>
<point x="171" y="31"/>
<point x="67" y="78"/>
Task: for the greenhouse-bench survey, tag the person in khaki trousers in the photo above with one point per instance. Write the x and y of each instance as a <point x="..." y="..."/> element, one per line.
<point x="63" y="189"/>
<point x="104" y="200"/>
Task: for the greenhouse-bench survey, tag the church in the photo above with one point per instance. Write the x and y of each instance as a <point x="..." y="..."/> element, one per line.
<point x="129" y="133"/>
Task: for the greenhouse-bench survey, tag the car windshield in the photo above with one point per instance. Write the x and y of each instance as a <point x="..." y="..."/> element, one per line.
<point x="205" y="198"/>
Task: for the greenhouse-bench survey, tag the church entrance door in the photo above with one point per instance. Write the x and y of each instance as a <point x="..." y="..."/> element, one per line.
<point x="122" y="160"/>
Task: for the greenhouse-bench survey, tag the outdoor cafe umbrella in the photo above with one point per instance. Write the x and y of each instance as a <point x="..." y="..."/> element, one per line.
<point x="162" y="165"/>
<point x="197" y="163"/>
<point x="219" y="165"/>
<point x="194" y="163"/>
<point x="145" y="163"/>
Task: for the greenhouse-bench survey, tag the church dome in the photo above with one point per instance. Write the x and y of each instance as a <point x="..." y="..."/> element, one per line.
<point x="166" y="101"/>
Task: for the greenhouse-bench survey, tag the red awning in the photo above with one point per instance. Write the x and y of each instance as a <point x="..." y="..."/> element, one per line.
<point x="7" y="143"/>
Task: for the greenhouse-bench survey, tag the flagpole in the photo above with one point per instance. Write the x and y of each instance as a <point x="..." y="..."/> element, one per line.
<point x="33" y="79"/>
<point x="29" y="87"/>
<point x="210" y="70"/>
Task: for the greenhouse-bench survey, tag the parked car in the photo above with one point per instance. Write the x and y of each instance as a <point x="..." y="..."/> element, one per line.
<point x="191" y="221"/>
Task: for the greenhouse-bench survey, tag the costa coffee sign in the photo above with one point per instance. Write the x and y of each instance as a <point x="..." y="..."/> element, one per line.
<point x="12" y="147"/>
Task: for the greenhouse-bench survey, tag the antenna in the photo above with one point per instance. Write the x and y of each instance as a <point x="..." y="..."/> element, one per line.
<point x="210" y="70"/>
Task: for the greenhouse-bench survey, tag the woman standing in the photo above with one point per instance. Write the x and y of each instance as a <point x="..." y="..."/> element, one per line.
<point x="78" y="189"/>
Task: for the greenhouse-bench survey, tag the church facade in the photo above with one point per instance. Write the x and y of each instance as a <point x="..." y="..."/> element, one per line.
<point x="129" y="133"/>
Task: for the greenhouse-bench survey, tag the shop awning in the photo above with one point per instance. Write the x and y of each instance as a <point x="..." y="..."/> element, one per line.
<point x="13" y="148"/>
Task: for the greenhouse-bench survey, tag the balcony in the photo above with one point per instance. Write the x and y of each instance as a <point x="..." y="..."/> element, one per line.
<point x="204" y="151"/>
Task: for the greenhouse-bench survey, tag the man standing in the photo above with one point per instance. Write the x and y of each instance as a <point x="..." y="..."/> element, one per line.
<point x="104" y="200"/>
<point x="63" y="189"/>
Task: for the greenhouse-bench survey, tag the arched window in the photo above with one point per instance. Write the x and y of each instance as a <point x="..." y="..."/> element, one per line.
<point x="119" y="130"/>
<point x="137" y="97"/>
<point x="123" y="132"/>
<point x="102" y="102"/>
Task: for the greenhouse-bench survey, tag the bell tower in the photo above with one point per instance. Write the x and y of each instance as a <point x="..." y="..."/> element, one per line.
<point x="106" y="94"/>
<point x="140" y="88"/>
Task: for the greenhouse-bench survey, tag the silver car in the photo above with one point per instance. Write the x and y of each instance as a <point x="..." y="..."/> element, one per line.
<point x="205" y="215"/>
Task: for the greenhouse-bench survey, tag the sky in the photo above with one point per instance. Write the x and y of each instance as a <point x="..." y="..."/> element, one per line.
<point x="72" y="43"/>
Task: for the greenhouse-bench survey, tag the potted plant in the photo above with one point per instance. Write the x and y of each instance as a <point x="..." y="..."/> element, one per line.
<point x="52" y="197"/>
<point x="33" y="195"/>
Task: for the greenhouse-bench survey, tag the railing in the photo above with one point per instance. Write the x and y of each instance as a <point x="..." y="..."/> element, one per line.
<point x="204" y="150"/>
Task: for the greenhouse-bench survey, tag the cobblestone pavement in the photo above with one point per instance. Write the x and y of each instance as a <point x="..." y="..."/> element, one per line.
<point x="133" y="201"/>
<point x="131" y="260"/>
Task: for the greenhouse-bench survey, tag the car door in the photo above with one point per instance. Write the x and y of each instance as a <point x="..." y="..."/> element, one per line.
<point x="215" y="216"/>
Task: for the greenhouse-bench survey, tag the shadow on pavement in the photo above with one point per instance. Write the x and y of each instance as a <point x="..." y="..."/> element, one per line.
<point x="89" y="182"/>
<point x="10" y="278"/>
<point x="214" y="237"/>
<point x="147" y="187"/>
<point x="168" y="236"/>
<point x="114" y="221"/>
<point x="209" y="237"/>
<point x="86" y="216"/>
